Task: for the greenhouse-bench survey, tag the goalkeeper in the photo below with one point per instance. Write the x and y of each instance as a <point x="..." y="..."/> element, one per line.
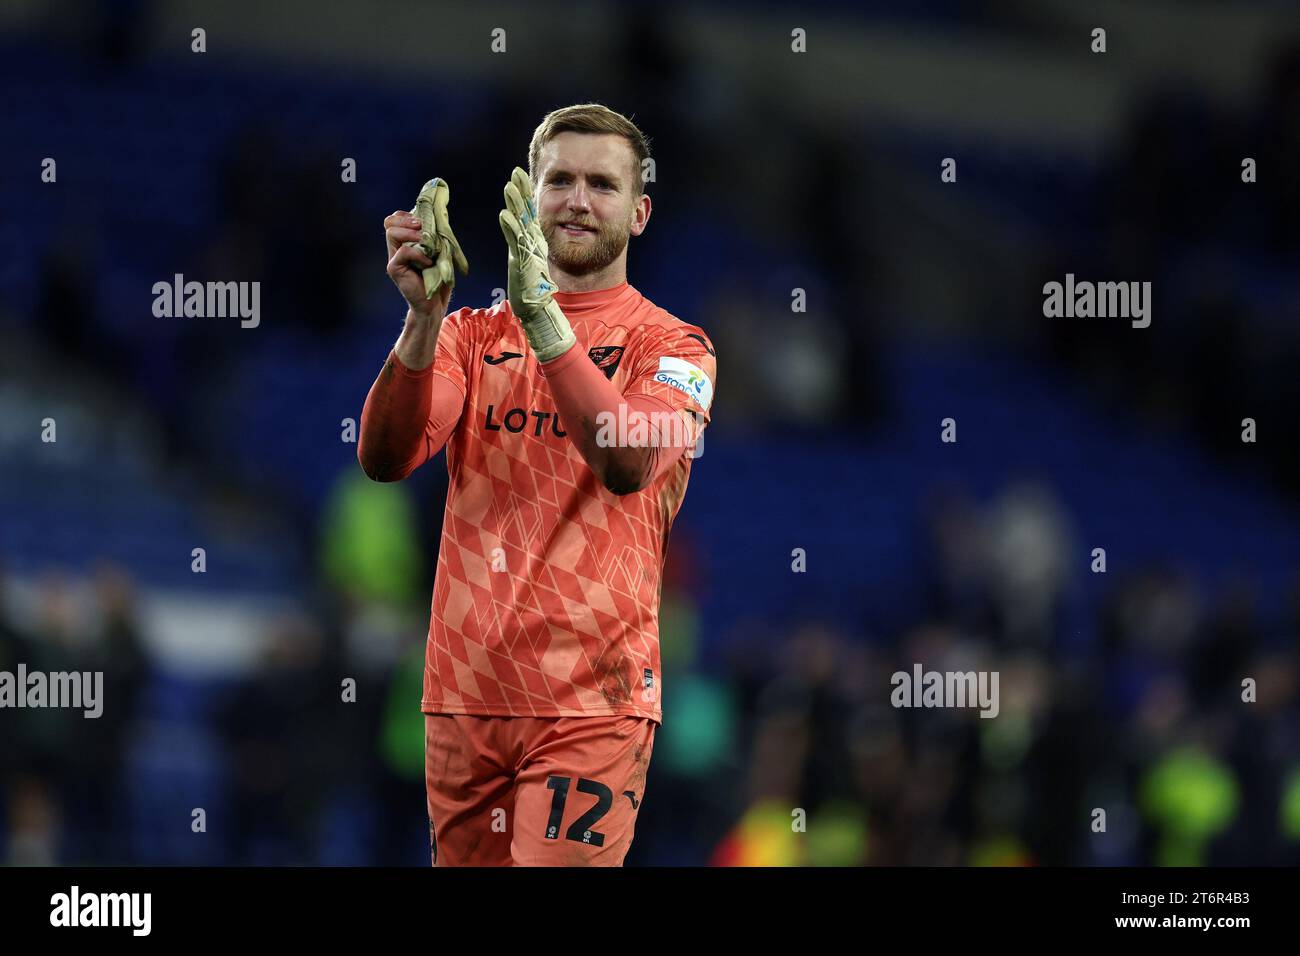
<point x="570" y="413"/>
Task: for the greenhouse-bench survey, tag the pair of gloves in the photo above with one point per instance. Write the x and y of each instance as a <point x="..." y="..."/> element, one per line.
<point x="529" y="286"/>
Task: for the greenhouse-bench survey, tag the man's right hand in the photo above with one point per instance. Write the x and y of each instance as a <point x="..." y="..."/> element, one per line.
<point x="406" y="264"/>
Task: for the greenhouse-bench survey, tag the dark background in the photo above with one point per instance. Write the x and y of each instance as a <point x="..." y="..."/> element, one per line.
<point x="775" y="171"/>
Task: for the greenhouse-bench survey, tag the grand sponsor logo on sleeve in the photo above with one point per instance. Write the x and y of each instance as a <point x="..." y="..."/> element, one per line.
<point x="688" y="378"/>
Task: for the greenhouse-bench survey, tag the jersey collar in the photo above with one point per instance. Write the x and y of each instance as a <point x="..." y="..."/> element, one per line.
<point x="576" y="302"/>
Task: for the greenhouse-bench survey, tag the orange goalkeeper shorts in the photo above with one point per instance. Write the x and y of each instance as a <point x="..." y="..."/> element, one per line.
<point x="534" y="791"/>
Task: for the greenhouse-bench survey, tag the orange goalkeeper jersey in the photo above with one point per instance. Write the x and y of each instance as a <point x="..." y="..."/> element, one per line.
<point x="546" y="600"/>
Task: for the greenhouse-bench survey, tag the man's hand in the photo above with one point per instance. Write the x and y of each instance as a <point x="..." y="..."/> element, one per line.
<point x="528" y="284"/>
<point x="422" y="252"/>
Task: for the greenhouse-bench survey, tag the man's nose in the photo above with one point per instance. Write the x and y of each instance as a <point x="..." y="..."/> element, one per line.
<point x="578" y="198"/>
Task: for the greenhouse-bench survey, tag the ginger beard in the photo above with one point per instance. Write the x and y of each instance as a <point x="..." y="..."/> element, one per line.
<point x="582" y="255"/>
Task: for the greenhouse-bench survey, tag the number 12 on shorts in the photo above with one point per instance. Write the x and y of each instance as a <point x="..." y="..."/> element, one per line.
<point x="581" y="829"/>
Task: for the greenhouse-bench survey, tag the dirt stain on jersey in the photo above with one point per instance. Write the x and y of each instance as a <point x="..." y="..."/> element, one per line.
<point x="613" y="678"/>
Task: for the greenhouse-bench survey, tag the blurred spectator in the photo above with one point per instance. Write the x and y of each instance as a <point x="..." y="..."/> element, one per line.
<point x="284" y="732"/>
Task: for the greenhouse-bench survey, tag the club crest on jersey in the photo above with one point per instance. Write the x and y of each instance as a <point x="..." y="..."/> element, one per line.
<point x="606" y="358"/>
<point x="688" y="378"/>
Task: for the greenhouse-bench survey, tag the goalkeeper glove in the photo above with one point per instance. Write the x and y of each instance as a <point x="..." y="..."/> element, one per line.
<point x="436" y="238"/>
<point x="529" y="284"/>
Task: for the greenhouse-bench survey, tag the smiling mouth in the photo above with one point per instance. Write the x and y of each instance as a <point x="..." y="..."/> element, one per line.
<point x="576" y="230"/>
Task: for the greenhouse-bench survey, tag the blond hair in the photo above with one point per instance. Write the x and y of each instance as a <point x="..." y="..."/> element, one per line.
<point x="590" y="118"/>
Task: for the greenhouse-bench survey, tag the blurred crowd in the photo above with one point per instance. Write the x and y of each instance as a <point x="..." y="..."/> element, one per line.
<point x="789" y="754"/>
<point x="1184" y="729"/>
<point x="61" y="771"/>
